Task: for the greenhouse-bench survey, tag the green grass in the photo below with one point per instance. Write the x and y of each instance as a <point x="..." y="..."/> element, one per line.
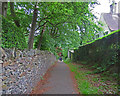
<point x="86" y="80"/>
<point x="84" y="86"/>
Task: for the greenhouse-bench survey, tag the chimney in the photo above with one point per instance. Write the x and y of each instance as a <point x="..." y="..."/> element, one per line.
<point x="111" y="8"/>
<point x="114" y="8"/>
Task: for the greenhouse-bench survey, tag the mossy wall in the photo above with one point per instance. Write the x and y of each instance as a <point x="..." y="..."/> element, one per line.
<point x="101" y="53"/>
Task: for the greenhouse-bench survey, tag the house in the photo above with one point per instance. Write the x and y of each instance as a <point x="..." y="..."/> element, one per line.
<point x="110" y="21"/>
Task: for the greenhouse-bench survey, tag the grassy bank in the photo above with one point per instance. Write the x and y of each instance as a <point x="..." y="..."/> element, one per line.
<point x="89" y="83"/>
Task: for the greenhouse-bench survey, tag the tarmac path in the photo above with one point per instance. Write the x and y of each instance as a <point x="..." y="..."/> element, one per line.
<point x="60" y="80"/>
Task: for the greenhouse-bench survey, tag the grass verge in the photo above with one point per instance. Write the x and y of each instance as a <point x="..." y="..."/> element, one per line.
<point x="89" y="83"/>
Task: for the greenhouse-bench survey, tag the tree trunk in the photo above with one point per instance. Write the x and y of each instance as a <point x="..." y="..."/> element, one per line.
<point x="31" y="35"/>
<point x="41" y="36"/>
<point x="13" y="14"/>
<point x="4" y="8"/>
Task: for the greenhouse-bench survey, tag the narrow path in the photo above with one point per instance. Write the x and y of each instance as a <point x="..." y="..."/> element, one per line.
<point x="59" y="81"/>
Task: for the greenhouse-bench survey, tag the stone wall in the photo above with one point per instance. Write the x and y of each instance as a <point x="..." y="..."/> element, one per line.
<point x="22" y="70"/>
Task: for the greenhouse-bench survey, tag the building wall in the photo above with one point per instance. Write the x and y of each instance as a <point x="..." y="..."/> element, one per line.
<point x="119" y="7"/>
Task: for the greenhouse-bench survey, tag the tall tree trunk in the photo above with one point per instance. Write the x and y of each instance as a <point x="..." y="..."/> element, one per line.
<point x="3" y="13"/>
<point x="4" y="8"/>
<point x="32" y="31"/>
<point x="13" y="14"/>
<point x="41" y="36"/>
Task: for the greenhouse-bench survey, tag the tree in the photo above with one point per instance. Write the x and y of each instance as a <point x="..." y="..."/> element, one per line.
<point x="40" y="39"/>
<point x="14" y="17"/>
<point x="31" y="35"/>
<point x="12" y="37"/>
<point x="57" y="14"/>
<point x="4" y="8"/>
<point x="55" y="23"/>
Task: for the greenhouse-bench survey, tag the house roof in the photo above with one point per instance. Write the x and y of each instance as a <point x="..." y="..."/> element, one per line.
<point x="113" y="21"/>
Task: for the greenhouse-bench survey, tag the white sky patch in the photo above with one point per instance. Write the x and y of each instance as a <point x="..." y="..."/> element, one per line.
<point x="19" y="7"/>
<point x="104" y="7"/>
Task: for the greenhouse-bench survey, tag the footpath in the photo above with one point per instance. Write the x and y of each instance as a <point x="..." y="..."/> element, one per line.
<point x="59" y="81"/>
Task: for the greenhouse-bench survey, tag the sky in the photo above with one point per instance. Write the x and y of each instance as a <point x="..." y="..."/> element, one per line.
<point x="104" y="7"/>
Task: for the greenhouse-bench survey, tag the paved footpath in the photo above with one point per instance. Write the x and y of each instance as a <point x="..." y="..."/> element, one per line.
<point x="60" y="81"/>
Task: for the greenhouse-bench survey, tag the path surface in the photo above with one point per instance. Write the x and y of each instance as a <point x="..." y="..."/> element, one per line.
<point x="60" y="81"/>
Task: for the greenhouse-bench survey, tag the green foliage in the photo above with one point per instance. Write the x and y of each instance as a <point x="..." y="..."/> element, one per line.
<point x="12" y="36"/>
<point x="61" y="19"/>
<point x="62" y="23"/>
<point x="65" y="53"/>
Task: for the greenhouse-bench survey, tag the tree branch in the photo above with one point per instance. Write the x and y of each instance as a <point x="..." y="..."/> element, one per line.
<point x="40" y="26"/>
<point x="13" y="14"/>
